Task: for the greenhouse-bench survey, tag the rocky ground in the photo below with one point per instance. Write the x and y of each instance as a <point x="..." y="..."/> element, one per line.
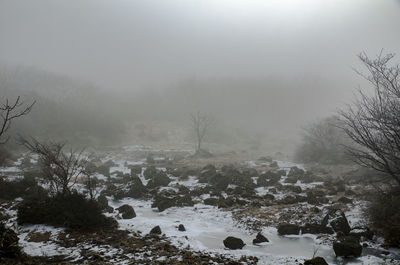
<point x="173" y="208"/>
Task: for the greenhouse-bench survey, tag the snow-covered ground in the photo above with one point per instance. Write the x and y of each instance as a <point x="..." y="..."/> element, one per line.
<point x="206" y="226"/>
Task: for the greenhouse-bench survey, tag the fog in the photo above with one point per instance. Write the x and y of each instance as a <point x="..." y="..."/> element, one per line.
<point x="267" y="67"/>
<point x="200" y="132"/>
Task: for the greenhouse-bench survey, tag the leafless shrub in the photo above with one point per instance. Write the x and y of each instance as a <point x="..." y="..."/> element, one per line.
<point x="59" y="168"/>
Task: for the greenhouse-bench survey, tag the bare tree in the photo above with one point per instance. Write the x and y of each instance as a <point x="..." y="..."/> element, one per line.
<point x="9" y="112"/>
<point x="201" y="123"/>
<point x="323" y="142"/>
<point x="59" y="168"/>
<point x="373" y="121"/>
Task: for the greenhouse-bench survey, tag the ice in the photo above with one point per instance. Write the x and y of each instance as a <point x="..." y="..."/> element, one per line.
<point x="206" y="228"/>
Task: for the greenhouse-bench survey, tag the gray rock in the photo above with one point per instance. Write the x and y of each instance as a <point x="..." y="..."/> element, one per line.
<point x="260" y="238"/>
<point x="156" y="230"/>
<point x="337" y="220"/>
<point x="233" y="243"/>
<point x="347" y="246"/>
<point x="315" y="261"/>
<point x="288" y="229"/>
<point x="127" y="211"/>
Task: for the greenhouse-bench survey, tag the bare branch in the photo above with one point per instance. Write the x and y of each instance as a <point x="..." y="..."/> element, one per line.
<point x="9" y="112"/>
<point x="201" y="123"/>
<point x="373" y="121"/>
<point x="61" y="170"/>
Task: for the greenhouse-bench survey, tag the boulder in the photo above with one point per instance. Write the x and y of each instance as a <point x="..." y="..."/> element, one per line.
<point x="268" y="178"/>
<point x="243" y="191"/>
<point x="181" y="228"/>
<point x="316" y="261"/>
<point x="316" y="229"/>
<point x="156" y="230"/>
<point x="316" y="197"/>
<point x="260" y="238"/>
<point x="288" y="229"/>
<point x="226" y="202"/>
<point x="233" y="243"/>
<point x="185" y="200"/>
<point x="337" y="220"/>
<point x="160" y="179"/>
<point x="238" y="178"/>
<point x="136" y="189"/>
<point x="296" y="172"/>
<point x="291" y="179"/>
<point x="211" y="201"/>
<point x="345" y="200"/>
<point x="347" y="246"/>
<point x="127" y="211"/>
<point x="164" y="201"/>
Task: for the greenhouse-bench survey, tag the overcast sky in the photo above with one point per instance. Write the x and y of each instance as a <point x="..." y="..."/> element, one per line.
<point x="131" y="44"/>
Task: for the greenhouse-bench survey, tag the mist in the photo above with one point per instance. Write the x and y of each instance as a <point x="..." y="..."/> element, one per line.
<point x="200" y="132"/>
<point x="133" y="45"/>
<point x="274" y="66"/>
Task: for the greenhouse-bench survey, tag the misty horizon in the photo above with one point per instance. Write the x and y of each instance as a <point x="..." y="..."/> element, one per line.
<point x="134" y="45"/>
<point x="294" y="60"/>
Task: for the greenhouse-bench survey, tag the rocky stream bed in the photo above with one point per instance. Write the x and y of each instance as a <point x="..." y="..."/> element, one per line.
<point x="172" y="208"/>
